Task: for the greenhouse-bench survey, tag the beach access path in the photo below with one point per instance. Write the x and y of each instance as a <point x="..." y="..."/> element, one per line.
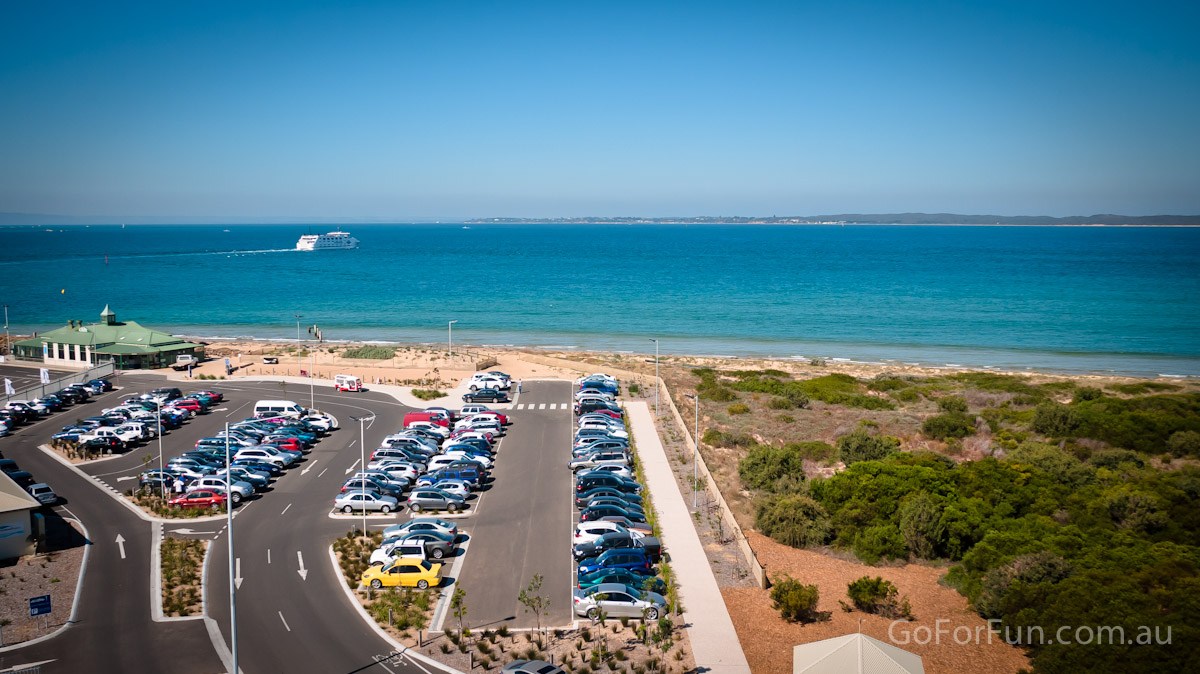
<point x="715" y="644"/>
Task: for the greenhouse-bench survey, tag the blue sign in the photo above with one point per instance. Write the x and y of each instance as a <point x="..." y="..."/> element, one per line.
<point x="39" y="605"/>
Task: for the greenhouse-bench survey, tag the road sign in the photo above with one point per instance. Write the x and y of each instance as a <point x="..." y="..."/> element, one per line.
<point x="39" y="605"/>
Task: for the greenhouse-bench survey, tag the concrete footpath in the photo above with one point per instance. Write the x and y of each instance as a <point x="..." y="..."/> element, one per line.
<point x="715" y="643"/>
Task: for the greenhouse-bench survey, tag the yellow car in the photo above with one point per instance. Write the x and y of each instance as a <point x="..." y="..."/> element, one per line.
<point x="405" y="571"/>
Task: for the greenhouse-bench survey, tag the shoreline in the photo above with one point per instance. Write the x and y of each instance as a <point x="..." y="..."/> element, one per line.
<point x="1005" y="360"/>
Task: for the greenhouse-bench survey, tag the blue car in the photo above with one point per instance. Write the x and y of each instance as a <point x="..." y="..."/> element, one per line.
<point x="632" y="559"/>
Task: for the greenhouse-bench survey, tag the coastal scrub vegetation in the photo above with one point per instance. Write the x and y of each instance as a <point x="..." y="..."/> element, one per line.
<point x="370" y="352"/>
<point x="1063" y="504"/>
<point x="795" y="601"/>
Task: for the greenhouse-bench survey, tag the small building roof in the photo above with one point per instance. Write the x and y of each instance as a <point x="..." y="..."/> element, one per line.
<point x="12" y="497"/>
<point x="854" y="654"/>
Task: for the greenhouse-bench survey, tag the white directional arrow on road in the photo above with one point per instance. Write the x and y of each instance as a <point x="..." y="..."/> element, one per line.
<point x="131" y="477"/>
<point x="190" y="532"/>
<point x="237" y="575"/>
<point x="309" y="466"/>
<point x="303" y="571"/>
<point x="121" y="544"/>
<point x="219" y="409"/>
<point x="355" y="465"/>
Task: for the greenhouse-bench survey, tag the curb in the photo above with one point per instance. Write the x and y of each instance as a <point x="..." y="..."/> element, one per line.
<point x="87" y="548"/>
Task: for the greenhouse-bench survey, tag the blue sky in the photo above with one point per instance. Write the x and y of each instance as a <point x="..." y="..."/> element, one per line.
<point x="419" y="110"/>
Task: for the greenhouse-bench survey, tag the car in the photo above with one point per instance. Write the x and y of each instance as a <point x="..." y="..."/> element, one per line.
<point x="594" y="445"/>
<point x="471" y="456"/>
<point x="408" y="472"/>
<point x="403" y="572"/>
<point x="320" y="422"/>
<point x="599" y="458"/>
<point x="242" y="474"/>
<point x="633" y="508"/>
<point x="618" y="601"/>
<point x="166" y="393"/>
<point x="104" y="384"/>
<point x="642" y="527"/>
<point x="597" y="511"/>
<point x="486" y="394"/>
<point x="201" y="498"/>
<point x="582" y="499"/>
<point x="455" y="487"/>
<point x="43" y="493"/>
<point x="272" y="469"/>
<point x="421" y="524"/>
<point x="585" y="532"/>
<point x="590" y="480"/>
<point x="438" y="545"/>
<point x="633" y="559"/>
<point x="483" y="382"/>
<point x="431" y="498"/>
<point x="360" y="500"/>
<point x="623" y="576"/>
<point x="265" y="454"/>
<point x="618" y="539"/>
<point x="100" y="446"/>
<point x="396" y="549"/>
<point x="384" y="477"/>
<point x="595" y="405"/>
<point x="531" y="667"/>
<point x="617" y="469"/>
<point x="238" y="491"/>
<point x="370" y="484"/>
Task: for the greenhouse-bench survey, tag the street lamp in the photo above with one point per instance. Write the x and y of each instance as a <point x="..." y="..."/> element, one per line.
<point x="362" y="441"/>
<point x="297" y="317"/>
<point x="695" y="446"/>
<point x="655" y="375"/>
<point x="450" y="337"/>
<point x="232" y="581"/>
<point x="7" y="337"/>
<point x="161" y="472"/>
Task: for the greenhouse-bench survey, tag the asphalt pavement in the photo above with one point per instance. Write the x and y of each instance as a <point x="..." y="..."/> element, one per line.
<point x="292" y="611"/>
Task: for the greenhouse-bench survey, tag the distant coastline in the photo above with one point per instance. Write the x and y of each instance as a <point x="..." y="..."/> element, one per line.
<point x="930" y="219"/>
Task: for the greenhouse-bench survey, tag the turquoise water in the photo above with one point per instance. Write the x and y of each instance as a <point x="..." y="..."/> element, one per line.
<point x="1073" y="299"/>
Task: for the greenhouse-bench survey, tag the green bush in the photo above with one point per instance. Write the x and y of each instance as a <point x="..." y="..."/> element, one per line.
<point x="878" y="596"/>
<point x="1029" y="570"/>
<point x="427" y="394"/>
<point x="795" y="601"/>
<point x="885" y="383"/>
<point x="370" y="352"/>
<point x="798" y="521"/>
<point x="949" y="425"/>
<point x="1142" y="388"/>
<point x="779" y="469"/>
<point x="952" y="404"/>
<point x="998" y="383"/>
<point x="921" y="526"/>
<point x="860" y="445"/>
<point x="720" y="439"/>
<point x="882" y="541"/>
<point x="1085" y="393"/>
<point x="908" y="395"/>
<point x="778" y="403"/>
<point x="738" y="408"/>
<point x="1184" y="443"/>
<point x="833" y="389"/>
<point x="1055" y="420"/>
<point x="1142" y="424"/>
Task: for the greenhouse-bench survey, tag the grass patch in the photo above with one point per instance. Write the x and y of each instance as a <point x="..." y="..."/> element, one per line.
<point x="181" y="561"/>
<point x="427" y="394"/>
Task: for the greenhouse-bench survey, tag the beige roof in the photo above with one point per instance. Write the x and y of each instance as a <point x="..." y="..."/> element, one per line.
<point x="854" y="654"/>
<point x="12" y="497"/>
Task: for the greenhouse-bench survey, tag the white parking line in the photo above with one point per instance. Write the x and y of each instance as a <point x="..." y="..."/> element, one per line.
<point x="268" y="555"/>
<point x="286" y="509"/>
<point x="284" y="621"/>
<point x="322" y="472"/>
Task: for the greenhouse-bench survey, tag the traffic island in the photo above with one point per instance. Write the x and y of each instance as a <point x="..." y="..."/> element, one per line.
<point x="401" y="612"/>
<point x="182" y="563"/>
<point x="153" y="504"/>
<point x="48" y="579"/>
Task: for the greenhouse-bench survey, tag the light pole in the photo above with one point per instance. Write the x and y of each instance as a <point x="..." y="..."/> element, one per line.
<point x="7" y="337"/>
<point x="232" y="582"/>
<point x="450" y="337"/>
<point x="161" y="472"/>
<point x="362" y="441"/>
<point x="655" y="375"/>
<point x="312" y="394"/>
<point x="297" y="317"/>
<point x="695" y="446"/>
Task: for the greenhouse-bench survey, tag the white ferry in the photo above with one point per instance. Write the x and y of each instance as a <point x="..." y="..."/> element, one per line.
<point x="338" y="239"/>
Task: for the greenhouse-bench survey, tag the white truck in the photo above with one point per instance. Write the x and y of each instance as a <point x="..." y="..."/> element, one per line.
<point x="184" y="362"/>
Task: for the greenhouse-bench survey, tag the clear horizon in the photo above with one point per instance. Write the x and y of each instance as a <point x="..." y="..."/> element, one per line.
<point x="410" y="111"/>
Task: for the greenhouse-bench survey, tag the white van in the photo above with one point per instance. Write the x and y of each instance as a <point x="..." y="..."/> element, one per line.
<point x="278" y="408"/>
<point x="347" y="382"/>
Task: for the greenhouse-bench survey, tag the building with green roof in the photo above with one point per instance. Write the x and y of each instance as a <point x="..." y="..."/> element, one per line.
<point x="128" y="345"/>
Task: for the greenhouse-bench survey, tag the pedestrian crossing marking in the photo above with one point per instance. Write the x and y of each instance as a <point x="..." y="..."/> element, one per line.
<point x="520" y="406"/>
<point x="542" y="406"/>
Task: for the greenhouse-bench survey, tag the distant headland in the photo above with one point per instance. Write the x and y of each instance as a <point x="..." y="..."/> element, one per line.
<point x="1102" y="220"/>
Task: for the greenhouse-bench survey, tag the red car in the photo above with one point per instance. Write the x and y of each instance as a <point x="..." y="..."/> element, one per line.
<point x="201" y="498"/>
<point x="192" y="406"/>
<point x="291" y="444"/>
<point x="215" y="396"/>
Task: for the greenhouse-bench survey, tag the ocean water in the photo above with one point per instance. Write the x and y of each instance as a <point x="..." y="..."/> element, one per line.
<point x="1124" y="300"/>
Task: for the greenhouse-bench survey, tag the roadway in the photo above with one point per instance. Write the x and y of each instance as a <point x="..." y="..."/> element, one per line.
<point x="289" y="620"/>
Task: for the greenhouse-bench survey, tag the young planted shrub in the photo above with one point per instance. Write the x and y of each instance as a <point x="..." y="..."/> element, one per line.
<point x="878" y="596"/>
<point x="795" y="601"/>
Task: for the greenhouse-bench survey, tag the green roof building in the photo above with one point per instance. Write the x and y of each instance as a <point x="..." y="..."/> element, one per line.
<point x="127" y="345"/>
